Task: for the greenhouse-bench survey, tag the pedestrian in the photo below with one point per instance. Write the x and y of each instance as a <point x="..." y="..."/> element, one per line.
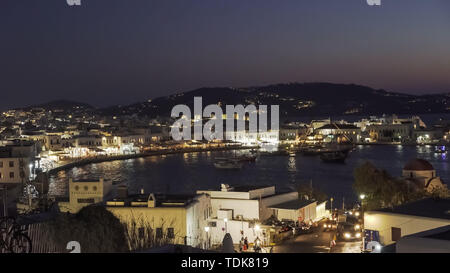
<point x="245" y="243"/>
<point x="257" y="246"/>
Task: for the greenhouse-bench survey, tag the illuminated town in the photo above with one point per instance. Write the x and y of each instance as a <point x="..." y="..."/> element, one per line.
<point x="223" y="128"/>
<point x="34" y="149"/>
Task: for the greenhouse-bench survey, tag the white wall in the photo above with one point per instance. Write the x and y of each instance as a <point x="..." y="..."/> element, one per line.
<point x="249" y="209"/>
<point x="383" y="222"/>
<point x="266" y="212"/>
<point x="234" y="228"/>
<point x="321" y="211"/>
<point x="196" y="221"/>
<point x="422" y="245"/>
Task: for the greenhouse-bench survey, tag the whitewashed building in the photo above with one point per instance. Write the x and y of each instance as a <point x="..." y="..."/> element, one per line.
<point x="240" y="210"/>
<point x="391" y="224"/>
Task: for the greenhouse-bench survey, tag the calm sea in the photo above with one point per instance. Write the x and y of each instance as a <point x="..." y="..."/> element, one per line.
<point x="186" y="173"/>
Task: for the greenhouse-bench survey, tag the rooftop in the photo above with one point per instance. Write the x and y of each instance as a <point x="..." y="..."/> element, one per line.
<point x="294" y="204"/>
<point x="162" y="200"/>
<point x="247" y="188"/>
<point x="338" y="126"/>
<point x="418" y="164"/>
<point x="429" y="207"/>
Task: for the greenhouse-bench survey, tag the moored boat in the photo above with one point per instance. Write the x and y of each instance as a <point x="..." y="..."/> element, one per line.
<point x="333" y="157"/>
<point x="440" y="149"/>
<point x="227" y="163"/>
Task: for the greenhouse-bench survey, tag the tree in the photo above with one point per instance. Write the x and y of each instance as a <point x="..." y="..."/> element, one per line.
<point x="141" y="234"/>
<point x="306" y="191"/>
<point x="381" y="189"/>
<point x="96" y="229"/>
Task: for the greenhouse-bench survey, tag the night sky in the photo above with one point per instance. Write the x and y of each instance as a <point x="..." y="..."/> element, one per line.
<point x="121" y="51"/>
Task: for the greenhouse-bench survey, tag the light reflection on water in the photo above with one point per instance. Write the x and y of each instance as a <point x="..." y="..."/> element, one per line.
<point x="185" y="173"/>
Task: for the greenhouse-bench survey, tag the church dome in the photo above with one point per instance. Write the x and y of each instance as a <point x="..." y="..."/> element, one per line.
<point x="418" y="165"/>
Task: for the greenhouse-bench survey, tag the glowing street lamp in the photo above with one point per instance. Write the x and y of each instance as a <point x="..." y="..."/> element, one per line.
<point x="362" y="196"/>
<point x="226" y="226"/>
<point x="208" y="241"/>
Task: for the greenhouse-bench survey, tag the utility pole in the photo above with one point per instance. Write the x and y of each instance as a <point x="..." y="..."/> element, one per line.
<point x="5" y="202"/>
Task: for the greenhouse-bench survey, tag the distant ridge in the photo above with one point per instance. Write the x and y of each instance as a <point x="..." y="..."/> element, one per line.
<point x="299" y="99"/>
<point x="295" y="100"/>
<point x="59" y="105"/>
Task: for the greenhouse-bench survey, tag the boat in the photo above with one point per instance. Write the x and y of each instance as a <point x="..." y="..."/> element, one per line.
<point x="227" y="163"/>
<point x="440" y="149"/>
<point x="333" y="157"/>
<point x="274" y="153"/>
<point x="247" y="158"/>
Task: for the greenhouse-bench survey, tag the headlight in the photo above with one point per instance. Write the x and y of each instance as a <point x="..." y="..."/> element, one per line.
<point x="357" y="227"/>
<point x="357" y="213"/>
<point x="358" y="235"/>
<point x="347" y="235"/>
<point x="350" y="212"/>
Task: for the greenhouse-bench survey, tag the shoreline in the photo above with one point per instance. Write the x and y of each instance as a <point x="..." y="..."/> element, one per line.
<point x="100" y="159"/>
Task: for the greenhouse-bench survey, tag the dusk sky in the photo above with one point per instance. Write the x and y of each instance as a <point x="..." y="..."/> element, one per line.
<point x="107" y="52"/>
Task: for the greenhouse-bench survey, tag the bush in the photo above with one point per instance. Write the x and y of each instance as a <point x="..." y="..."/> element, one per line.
<point x="96" y="229"/>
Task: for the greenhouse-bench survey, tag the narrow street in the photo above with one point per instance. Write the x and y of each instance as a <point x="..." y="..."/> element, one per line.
<point x="317" y="242"/>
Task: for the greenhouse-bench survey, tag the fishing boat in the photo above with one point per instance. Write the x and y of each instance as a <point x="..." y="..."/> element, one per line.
<point x="227" y="163"/>
<point x="333" y="157"/>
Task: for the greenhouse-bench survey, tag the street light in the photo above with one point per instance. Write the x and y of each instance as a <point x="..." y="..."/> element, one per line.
<point x="362" y="196"/>
<point x="226" y="227"/>
<point x="207" y="237"/>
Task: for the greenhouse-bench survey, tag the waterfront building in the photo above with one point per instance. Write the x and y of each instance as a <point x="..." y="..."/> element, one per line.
<point x="253" y="138"/>
<point x="422" y="174"/>
<point x="84" y="193"/>
<point x="399" y="132"/>
<point x="319" y="123"/>
<point x="290" y="133"/>
<point x="428" y="135"/>
<point x="174" y="218"/>
<point x="391" y="224"/>
<point x="17" y="161"/>
<point x="335" y="132"/>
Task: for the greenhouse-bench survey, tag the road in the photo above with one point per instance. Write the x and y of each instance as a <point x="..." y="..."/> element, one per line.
<point x="316" y="242"/>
